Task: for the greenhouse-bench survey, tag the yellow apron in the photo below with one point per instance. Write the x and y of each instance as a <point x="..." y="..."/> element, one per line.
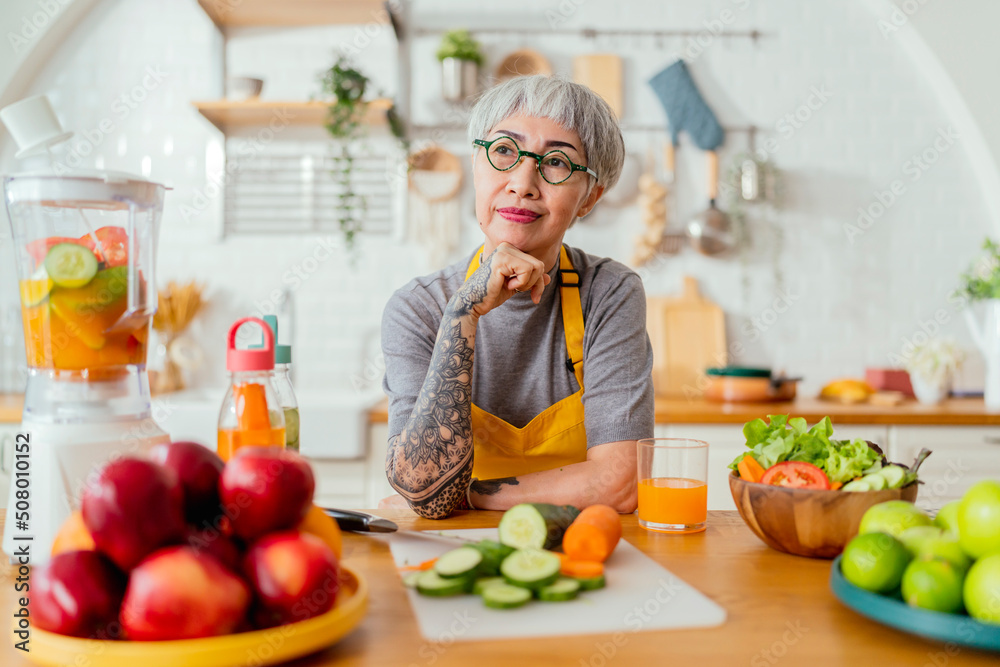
<point x="555" y="437"/>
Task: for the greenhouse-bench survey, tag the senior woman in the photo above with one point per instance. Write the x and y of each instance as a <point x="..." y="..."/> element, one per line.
<point x="523" y="372"/>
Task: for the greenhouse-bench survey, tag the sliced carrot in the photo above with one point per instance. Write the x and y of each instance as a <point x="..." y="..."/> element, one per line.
<point x="593" y="535"/>
<point x="420" y="567"/>
<point x="835" y="485"/>
<point x="749" y="469"/>
<point x="581" y="569"/>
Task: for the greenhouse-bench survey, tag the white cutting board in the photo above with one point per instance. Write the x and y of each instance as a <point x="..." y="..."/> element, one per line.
<point x="640" y="595"/>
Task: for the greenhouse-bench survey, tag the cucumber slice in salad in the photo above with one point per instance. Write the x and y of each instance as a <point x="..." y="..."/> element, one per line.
<point x="70" y="265"/>
<point x="857" y="485"/>
<point x="431" y="584"/>
<point x="530" y="568"/>
<point x="505" y="596"/>
<point x="592" y="583"/>
<point x="487" y="582"/>
<point x="562" y="590"/>
<point x="893" y="475"/>
<point x="875" y="481"/>
<point x="461" y="562"/>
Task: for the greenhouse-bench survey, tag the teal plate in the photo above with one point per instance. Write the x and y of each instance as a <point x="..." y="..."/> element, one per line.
<point x="954" y="628"/>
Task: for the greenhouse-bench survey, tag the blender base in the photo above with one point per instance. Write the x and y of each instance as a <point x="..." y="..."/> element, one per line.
<point x="61" y="460"/>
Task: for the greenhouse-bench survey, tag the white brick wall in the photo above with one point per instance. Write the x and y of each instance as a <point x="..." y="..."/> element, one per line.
<point x="853" y="303"/>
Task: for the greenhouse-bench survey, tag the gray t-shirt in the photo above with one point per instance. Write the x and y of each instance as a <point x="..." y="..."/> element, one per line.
<point x="520" y="359"/>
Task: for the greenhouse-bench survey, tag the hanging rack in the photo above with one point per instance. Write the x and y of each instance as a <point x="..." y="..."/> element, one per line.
<point x="593" y="33"/>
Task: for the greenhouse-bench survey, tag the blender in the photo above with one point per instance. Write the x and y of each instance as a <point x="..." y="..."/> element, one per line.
<point x="84" y="244"/>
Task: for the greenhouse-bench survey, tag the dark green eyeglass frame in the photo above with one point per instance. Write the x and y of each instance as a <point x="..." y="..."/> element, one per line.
<point x="573" y="167"/>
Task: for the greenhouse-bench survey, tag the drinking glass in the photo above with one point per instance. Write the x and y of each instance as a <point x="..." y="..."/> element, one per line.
<point x="673" y="484"/>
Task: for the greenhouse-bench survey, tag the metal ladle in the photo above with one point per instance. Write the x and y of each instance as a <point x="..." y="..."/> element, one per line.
<point x="710" y="232"/>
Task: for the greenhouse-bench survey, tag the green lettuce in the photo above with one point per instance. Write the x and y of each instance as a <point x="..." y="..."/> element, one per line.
<point x="783" y="439"/>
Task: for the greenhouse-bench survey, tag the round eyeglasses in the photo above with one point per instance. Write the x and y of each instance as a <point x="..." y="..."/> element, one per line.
<point x="555" y="166"/>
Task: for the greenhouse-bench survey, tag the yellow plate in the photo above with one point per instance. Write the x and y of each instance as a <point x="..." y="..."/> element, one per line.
<point x="259" y="647"/>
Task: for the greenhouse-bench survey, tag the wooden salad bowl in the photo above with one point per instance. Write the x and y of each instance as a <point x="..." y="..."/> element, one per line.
<point x="806" y="522"/>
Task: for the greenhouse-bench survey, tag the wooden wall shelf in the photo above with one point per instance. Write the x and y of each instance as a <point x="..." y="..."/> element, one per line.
<point x="226" y="13"/>
<point x="226" y="114"/>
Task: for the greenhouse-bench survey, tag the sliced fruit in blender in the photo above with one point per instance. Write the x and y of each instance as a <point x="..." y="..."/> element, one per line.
<point x="39" y="248"/>
<point x="113" y="242"/>
<point x="70" y="265"/>
<point x="90" y="311"/>
<point x="34" y="291"/>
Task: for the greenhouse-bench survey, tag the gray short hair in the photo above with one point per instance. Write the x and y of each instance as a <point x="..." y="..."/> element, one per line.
<point x="572" y="105"/>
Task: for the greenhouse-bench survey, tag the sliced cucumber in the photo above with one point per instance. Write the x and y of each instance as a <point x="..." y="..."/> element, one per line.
<point x="562" y="590"/>
<point x="431" y="584"/>
<point x="410" y="579"/>
<point x="70" y="265"/>
<point x="530" y="568"/>
<point x="875" y="481"/>
<point x="461" y="562"/>
<point x="487" y="582"/>
<point x="535" y="525"/>
<point x="493" y="554"/>
<point x="591" y="583"/>
<point x="893" y="475"/>
<point x="505" y="596"/>
<point x="857" y="485"/>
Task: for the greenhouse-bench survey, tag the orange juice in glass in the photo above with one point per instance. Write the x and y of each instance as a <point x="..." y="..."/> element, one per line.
<point x="673" y="484"/>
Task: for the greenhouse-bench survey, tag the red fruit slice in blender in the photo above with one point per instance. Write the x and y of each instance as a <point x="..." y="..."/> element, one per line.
<point x="114" y="244"/>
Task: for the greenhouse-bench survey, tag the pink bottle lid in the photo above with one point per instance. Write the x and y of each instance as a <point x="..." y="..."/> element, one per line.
<point x="258" y="359"/>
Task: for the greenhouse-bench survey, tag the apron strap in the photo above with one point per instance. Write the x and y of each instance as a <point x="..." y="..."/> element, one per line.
<point x="572" y="312"/>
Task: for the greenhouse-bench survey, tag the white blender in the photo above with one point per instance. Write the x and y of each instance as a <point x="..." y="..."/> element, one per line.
<point x="85" y="246"/>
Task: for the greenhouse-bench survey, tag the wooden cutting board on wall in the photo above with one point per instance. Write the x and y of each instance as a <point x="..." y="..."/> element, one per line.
<point x="688" y="334"/>
<point x="602" y="73"/>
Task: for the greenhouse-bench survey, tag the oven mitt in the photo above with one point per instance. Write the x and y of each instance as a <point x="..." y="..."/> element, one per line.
<point x="685" y="107"/>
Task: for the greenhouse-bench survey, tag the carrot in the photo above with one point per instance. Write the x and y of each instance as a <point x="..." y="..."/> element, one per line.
<point x="749" y="469"/>
<point x="581" y="569"/>
<point x="593" y="535"/>
<point x="426" y="565"/>
<point x="835" y="485"/>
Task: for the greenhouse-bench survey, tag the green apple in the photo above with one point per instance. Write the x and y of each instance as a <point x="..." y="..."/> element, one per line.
<point x="892" y="517"/>
<point x="916" y="537"/>
<point x="979" y="519"/>
<point x="981" y="590"/>
<point x="947" y="517"/>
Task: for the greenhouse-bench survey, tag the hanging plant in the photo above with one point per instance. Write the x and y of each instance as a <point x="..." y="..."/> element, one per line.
<point x="345" y="87"/>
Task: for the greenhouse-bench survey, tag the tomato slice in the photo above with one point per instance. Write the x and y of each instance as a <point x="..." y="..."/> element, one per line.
<point x="796" y="475"/>
<point x="114" y="242"/>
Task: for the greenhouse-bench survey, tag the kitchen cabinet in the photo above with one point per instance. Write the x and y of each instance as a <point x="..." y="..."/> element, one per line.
<point x="962" y="456"/>
<point x="226" y="13"/>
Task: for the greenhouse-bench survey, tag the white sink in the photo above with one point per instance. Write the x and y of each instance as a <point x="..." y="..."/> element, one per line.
<point x="333" y="425"/>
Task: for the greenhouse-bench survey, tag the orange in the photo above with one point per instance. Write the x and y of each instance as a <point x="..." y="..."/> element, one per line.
<point x="319" y="524"/>
<point x="73" y="536"/>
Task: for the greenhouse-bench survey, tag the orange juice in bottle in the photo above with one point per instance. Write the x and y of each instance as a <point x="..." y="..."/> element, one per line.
<point x="251" y="414"/>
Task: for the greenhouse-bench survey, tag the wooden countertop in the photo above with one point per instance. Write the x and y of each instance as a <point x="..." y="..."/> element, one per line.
<point x="952" y="412"/>
<point x="779" y="608"/>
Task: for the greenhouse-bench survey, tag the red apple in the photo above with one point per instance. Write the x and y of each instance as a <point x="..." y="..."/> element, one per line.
<point x="264" y="489"/>
<point x="77" y="593"/>
<point x="294" y="575"/>
<point x="198" y="468"/>
<point x="212" y="542"/>
<point x="134" y="507"/>
<point x="179" y="593"/>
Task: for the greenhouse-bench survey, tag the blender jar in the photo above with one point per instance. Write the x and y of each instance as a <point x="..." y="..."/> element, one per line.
<point x="84" y="247"/>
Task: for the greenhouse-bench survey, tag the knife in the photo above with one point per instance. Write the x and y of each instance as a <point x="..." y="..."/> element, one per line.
<point x="359" y="522"/>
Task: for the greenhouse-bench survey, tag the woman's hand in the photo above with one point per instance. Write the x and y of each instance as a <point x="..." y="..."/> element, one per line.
<point x="506" y="271"/>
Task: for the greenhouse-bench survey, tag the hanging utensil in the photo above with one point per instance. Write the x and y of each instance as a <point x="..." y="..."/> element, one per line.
<point x="673" y="238"/>
<point x="710" y="231"/>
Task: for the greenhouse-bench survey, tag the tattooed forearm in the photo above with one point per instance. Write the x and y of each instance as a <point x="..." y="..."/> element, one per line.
<point x="430" y="463"/>
<point x="489" y="487"/>
<point x="474" y="289"/>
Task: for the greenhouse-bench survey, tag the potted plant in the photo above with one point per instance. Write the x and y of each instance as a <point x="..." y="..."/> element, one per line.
<point x="932" y="367"/>
<point x="982" y="283"/>
<point x="460" y="57"/>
